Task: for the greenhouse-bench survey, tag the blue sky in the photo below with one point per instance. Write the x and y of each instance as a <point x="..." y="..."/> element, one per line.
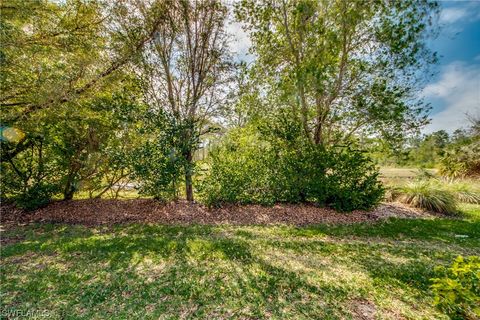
<point x="454" y="91"/>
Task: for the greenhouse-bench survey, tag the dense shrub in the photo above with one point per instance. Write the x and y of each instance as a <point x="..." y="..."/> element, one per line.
<point x="156" y="170"/>
<point x="159" y="161"/>
<point x="462" y="161"/>
<point x="28" y="180"/>
<point x="239" y="172"/>
<point x="352" y="182"/>
<point x="251" y="168"/>
<point x="35" y="197"/>
<point x="457" y="290"/>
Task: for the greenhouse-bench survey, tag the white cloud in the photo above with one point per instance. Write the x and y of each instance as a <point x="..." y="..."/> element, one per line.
<point x="451" y="15"/>
<point x="465" y="11"/>
<point x="459" y="88"/>
<point x="240" y="40"/>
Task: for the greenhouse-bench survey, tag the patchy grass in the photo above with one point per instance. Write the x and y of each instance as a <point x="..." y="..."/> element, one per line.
<point x="282" y="272"/>
<point x="400" y="176"/>
<point x="406" y="173"/>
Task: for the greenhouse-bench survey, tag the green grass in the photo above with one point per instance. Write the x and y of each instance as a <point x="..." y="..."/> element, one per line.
<point x="212" y="272"/>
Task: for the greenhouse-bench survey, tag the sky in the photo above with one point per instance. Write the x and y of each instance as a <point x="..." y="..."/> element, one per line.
<point x="454" y="90"/>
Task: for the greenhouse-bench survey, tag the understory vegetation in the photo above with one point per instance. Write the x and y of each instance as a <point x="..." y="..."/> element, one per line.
<point x="151" y="271"/>
<point x="101" y="97"/>
<point x="457" y="292"/>
<point x="434" y="194"/>
<point x="278" y="165"/>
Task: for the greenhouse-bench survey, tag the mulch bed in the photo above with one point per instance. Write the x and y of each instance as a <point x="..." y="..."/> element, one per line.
<point x="107" y="212"/>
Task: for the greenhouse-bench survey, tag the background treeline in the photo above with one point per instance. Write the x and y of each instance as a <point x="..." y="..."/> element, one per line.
<point x="99" y="97"/>
<point x="455" y="155"/>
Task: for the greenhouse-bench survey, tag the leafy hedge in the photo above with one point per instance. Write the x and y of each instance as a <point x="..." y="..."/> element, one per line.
<point x="250" y="167"/>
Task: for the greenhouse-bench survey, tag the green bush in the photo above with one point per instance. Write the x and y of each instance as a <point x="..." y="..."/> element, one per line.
<point x="462" y="161"/>
<point x="457" y="290"/>
<point x="159" y="162"/>
<point x="157" y="170"/>
<point x="35" y="197"/>
<point x="352" y="182"/>
<point x="428" y="196"/>
<point x="251" y="168"/>
<point x="239" y="173"/>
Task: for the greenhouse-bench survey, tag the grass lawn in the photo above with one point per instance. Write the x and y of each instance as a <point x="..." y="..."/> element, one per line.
<point x="282" y="272"/>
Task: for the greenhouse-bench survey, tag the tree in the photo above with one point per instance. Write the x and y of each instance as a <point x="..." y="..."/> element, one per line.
<point x="55" y="52"/>
<point x="58" y="60"/>
<point x="186" y="66"/>
<point x="343" y="67"/>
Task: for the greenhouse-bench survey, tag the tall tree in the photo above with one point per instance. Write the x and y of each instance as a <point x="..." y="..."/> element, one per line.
<point x="57" y="58"/>
<point x="186" y="66"/>
<point x="342" y="66"/>
<point x="56" y="52"/>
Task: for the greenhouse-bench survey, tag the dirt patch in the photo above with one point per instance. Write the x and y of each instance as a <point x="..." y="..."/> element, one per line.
<point x="363" y="309"/>
<point x="106" y="212"/>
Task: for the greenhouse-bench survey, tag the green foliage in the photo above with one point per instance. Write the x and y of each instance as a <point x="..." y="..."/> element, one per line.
<point x="462" y="160"/>
<point x="49" y="50"/>
<point x="464" y="191"/>
<point x="352" y="183"/>
<point x="277" y="165"/>
<point x="36" y="196"/>
<point x="239" y="171"/>
<point x="307" y="50"/>
<point x="77" y="77"/>
<point x="71" y="151"/>
<point x="159" y="161"/>
<point x="426" y="195"/>
<point x="457" y="290"/>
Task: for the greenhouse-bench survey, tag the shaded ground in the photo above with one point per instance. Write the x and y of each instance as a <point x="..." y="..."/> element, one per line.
<point x="374" y="270"/>
<point x="103" y="211"/>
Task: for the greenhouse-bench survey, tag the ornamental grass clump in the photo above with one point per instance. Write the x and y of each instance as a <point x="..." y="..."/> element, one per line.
<point x="464" y="192"/>
<point x="427" y="196"/>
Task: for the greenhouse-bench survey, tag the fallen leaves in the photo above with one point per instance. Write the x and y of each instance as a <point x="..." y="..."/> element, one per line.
<point x="108" y="212"/>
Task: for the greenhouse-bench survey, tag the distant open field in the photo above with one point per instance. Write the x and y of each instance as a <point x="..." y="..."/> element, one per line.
<point x="401" y="175"/>
<point x="405" y="173"/>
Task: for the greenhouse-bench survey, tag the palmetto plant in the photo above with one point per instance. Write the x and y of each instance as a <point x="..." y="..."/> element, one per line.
<point x="461" y="162"/>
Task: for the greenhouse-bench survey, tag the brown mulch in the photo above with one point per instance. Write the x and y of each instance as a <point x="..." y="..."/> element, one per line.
<point x="107" y="212"/>
<point x="363" y="310"/>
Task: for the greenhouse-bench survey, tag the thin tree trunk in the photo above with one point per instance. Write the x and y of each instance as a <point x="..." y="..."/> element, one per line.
<point x="188" y="176"/>
<point x="69" y="190"/>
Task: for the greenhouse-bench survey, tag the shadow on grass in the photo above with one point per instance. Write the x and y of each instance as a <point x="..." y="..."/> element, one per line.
<point x="197" y="271"/>
<point x="152" y="271"/>
<point x="443" y="230"/>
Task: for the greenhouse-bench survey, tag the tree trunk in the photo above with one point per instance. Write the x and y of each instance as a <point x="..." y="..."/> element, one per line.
<point x="69" y="191"/>
<point x="188" y="176"/>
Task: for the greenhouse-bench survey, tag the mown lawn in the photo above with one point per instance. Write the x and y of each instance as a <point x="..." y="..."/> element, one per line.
<point x="282" y="272"/>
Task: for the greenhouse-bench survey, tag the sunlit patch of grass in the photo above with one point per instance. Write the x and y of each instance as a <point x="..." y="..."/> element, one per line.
<point x="112" y="194"/>
<point x="154" y="271"/>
